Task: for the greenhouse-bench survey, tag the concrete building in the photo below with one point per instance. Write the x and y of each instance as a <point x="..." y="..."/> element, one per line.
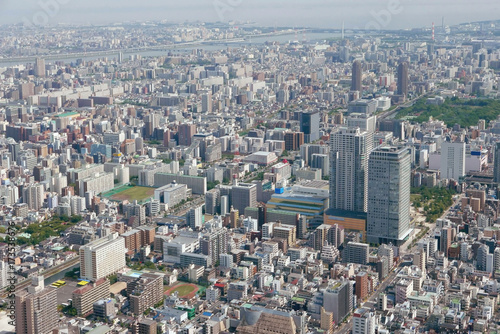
<point x="244" y="195"/>
<point x="36" y="309"/>
<point x="145" y="292"/>
<point x="349" y="152"/>
<point x="389" y="181"/>
<point x="85" y="297"/>
<point x="363" y="321"/>
<point x="102" y="257"/>
<point x="452" y="160"/>
<point x="356" y="252"/>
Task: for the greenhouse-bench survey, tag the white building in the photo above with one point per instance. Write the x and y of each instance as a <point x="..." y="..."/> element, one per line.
<point x="452" y="160"/>
<point x="363" y="322"/>
<point x="102" y="257"/>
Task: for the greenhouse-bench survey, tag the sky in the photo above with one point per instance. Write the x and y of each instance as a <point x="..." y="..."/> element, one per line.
<point x="384" y="14"/>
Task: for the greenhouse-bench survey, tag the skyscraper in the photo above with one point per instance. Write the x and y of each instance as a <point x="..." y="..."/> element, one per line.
<point x="349" y="152"/>
<point x="403" y="79"/>
<point x="357" y="72"/>
<point x="453" y="160"/>
<point x="496" y="168"/>
<point x="40" y="67"/>
<point x="186" y="133"/>
<point x="309" y="125"/>
<point x="389" y="178"/>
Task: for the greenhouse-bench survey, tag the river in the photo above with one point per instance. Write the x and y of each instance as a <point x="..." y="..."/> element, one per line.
<point x="214" y="46"/>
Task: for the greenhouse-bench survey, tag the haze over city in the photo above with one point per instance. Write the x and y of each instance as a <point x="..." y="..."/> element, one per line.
<point x="314" y="13"/>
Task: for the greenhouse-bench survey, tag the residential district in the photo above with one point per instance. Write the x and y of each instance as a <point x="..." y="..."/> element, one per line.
<point x="249" y="180"/>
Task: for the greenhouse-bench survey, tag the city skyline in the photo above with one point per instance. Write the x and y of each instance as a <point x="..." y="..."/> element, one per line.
<point x="394" y="14"/>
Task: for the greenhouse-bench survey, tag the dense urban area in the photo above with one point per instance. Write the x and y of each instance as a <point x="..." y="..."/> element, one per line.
<point x="214" y="178"/>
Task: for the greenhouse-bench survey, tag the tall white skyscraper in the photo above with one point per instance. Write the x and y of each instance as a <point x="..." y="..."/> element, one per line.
<point x="102" y="257"/>
<point x="452" y="160"/>
<point x="349" y="152"/>
<point x="389" y="177"/>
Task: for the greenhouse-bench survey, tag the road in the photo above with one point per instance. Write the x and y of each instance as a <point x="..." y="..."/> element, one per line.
<point x="372" y="300"/>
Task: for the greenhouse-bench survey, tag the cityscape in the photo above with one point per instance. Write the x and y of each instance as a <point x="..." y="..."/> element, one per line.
<point x="232" y="177"/>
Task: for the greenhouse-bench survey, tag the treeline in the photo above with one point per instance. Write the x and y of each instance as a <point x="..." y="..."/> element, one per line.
<point x="454" y="111"/>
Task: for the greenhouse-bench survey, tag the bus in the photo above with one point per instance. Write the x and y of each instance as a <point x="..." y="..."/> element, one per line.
<point x="58" y="284"/>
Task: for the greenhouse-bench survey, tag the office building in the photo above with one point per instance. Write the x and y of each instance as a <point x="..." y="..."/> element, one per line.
<point x="337" y="298"/>
<point x="389" y="181"/>
<point x="496" y="165"/>
<point x="244" y="195"/>
<point x="309" y="125"/>
<point x="452" y="160"/>
<point x="102" y="257"/>
<point x="357" y="76"/>
<point x="185" y="134"/>
<point x="40" y="68"/>
<point x="356" y="252"/>
<point x="294" y="140"/>
<point x="349" y="152"/>
<point x="36" y="309"/>
<point x="403" y="79"/>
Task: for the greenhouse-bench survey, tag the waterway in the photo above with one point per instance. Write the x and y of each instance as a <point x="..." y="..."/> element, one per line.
<point x="211" y="46"/>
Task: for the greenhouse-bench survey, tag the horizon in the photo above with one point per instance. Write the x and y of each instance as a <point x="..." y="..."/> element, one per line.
<point x="386" y="15"/>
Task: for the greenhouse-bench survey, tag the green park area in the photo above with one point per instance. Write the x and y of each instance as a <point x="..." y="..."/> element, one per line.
<point x="434" y="201"/>
<point x="453" y="111"/>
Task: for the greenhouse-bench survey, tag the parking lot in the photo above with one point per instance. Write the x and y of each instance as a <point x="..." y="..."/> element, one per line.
<point x="65" y="292"/>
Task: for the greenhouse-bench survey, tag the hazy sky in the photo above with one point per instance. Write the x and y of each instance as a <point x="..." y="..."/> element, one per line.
<point x="390" y="14"/>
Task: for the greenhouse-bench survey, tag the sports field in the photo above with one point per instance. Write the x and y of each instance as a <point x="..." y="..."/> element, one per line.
<point x="130" y="193"/>
<point x="185" y="290"/>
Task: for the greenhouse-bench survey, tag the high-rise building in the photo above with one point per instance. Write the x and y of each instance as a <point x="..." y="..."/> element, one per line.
<point x="361" y="285"/>
<point x="403" y="79"/>
<point x="214" y="243"/>
<point x="195" y="217"/>
<point x="36" y="309"/>
<point x="102" y="257"/>
<point x="363" y="322"/>
<point x="452" y="160"/>
<point x="206" y="103"/>
<point x="244" y="195"/>
<point x="145" y="292"/>
<point x="389" y="181"/>
<point x="294" y="140"/>
<point x="4" y="268"/>
<point x="356" y="252"/>
<point x="309" y="125"/>
<point x="337" y="299"/>
<point x="496" y="168"/>
<point x="185" y="134"/>
<point x="349" y="152"/>
<point x="33" y="195"/>
<point x="40" y="67"/>
<point x="357" y="74"/>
